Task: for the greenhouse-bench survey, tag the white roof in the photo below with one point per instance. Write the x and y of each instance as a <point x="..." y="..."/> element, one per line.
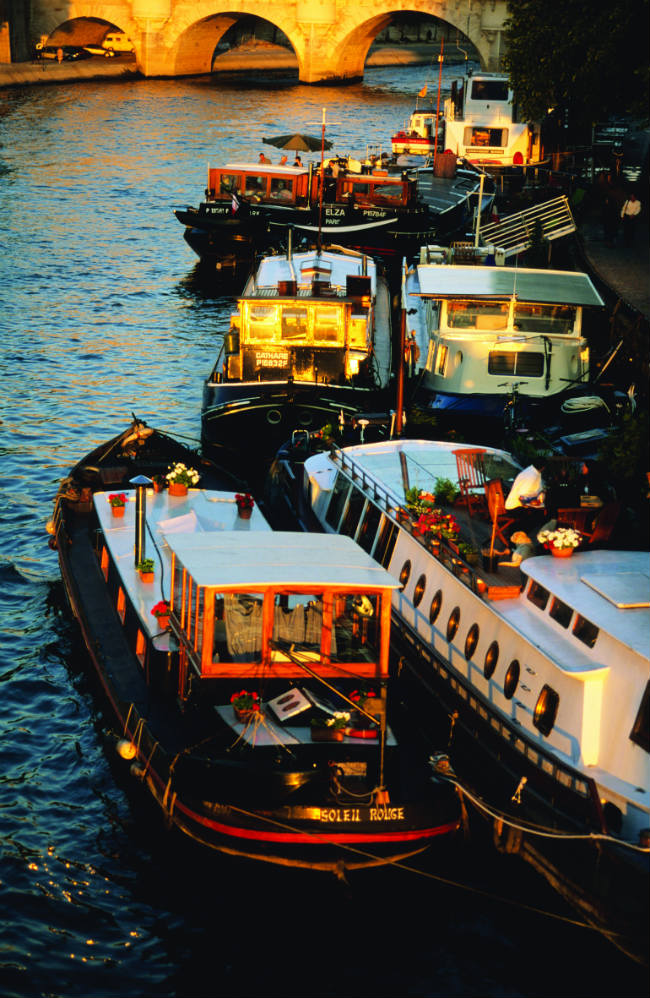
<point x="611" y="589"/>
<point x="337" y="266"/>
<point x="258" y="560"/>
<point x="554" y="287"/>
<point x="289" y="170"/>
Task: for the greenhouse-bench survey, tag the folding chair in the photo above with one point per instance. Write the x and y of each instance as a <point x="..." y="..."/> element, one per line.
<point x="471" y="479"/>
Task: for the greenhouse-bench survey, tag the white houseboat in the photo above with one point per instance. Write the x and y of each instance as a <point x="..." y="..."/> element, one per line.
<point x="481" y="330"/>
<point x="542" y="670"/>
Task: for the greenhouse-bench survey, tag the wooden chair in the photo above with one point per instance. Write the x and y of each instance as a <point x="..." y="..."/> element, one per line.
<point x="603" y="524"/>
<point x="578" y="518"/>
<point x="471" y="479"/>
<point x="501" y="517"/>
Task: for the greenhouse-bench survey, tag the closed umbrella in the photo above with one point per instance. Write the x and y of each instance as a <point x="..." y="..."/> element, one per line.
<point x="305" y="143"/>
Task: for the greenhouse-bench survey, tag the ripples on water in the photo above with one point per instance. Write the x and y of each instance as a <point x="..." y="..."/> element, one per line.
<point x="104" y="313"/>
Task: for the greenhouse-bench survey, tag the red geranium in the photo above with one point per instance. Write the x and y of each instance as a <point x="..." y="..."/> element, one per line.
<point x="245" y="700"/>
<point x="160" y="609"/>
<point x="117" y="499"/>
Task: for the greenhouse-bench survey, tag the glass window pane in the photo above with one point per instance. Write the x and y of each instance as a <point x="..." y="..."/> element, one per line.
<point x="356" y="628"/>
<point x="294" y="324"/>
<point x="337" y="501"/>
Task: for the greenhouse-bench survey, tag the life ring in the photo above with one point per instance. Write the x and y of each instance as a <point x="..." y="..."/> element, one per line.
<point x="361" y="732"/>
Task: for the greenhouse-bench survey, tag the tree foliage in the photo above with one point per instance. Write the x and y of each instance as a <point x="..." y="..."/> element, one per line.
<point x="590" y="59"/>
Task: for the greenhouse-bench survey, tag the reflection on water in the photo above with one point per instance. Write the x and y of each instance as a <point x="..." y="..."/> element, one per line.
<point x="105" y="312"/>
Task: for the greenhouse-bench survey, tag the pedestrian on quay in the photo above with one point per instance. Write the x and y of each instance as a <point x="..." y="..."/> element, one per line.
<point x="297" y="161"/>
<point x="611" y="218"/>
<point x="630" y="214"/>
<point x="59" y="55"/>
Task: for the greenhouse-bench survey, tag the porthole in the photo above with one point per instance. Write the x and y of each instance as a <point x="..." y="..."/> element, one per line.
<point x="546" y="710"/>
<point x="305" y="418"/>
<point x="436" y="604"/>
<point x="491" y="659"/>
<point x="274" y="416"/>
<point x="512" y="679"/>
<point x="405" y="574"/>
<point x="418" y="592"/>
<point x="471" y="641"/>
<point x="452" y="623"/>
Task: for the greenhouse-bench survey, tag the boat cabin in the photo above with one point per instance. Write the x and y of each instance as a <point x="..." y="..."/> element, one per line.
<point x="253" y="604"/>
<point x="481" y="123"/>
<point x="308" y="318"/>
<point x="374" y="189"/>
<point x="482" y="324"/>
<point x="254" y="181"/>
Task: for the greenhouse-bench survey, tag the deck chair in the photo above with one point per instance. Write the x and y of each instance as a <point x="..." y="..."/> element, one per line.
<point x="501" y="518"/>
<point x="576" y="518"/>
<point x="471" y="479"/>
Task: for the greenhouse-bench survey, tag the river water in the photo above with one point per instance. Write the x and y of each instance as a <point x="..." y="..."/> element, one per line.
<point x="104" y="313"/>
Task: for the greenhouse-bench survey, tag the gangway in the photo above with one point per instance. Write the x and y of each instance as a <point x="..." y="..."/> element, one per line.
<point x="514" y="233"/>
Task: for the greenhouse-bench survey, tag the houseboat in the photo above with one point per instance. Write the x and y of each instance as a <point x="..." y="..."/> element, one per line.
<point x="245" y="671"/>
<point x="541" y="667"/>
<point x="483" y="331"/>
<point x="309" y="344"/>
<point x="248" y="208"/>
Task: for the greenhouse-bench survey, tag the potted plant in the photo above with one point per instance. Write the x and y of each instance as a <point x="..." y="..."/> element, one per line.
<point x="331" y="728"/>
<point x="446" y="491"/>
<point x="246" y="705"/>
<point x="118" y="503"/>
<point x="437" y="526"/>
<point x="245" y="504"/>
<point x="161" y="612"/>
<point x="145" y="568"/>
<point x="561" y="542"/>
<point x="159" y="483"/>
<point x="179" y="479"/>
<point x="468" y="553"/>
<point x="419" y="501"/>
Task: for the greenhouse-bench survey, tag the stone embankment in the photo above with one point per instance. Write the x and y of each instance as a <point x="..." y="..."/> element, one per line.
<point x="259" y="56"/>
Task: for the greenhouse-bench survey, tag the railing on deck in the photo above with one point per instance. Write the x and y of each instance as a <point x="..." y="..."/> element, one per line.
<point x="514" y="233"/>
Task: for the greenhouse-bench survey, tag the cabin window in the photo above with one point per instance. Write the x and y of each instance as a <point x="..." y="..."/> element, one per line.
<point x="368" y="531"/>
<point x="483" y="315"/>
<point x="337" y="501"/>
<point x="491" y="659"/>
<point x="255" y="185"/>
<point x="355" y="636"/>
<point x="262" y="321"/>
<point x="281" y="189"/>
<point x="538" y="596"/>
<point x="489" y="90"/>
<point x="104" y="561"/>
<point x="452" y="623"/>
<point x="480" y="137"/>
<point x="546" y="710"/>
<point x="196" y="635"/>
<point x="294" y="323"/>
<point x="640" y="733"/>
<point x="561" y="612"/>
<point x="327" y="325"/>
<point x="418" y="592"/>
<point x="240" y="637"/>
<point x="512" y="679"/>
<point x="121" y="604"/>
<point x="140" y="647"/>
<point x="545" y="318"/>
<point x="393" y="191"/>
<point x="405" y="574"/>
<point x="520" y="362"/>
<point x="443" y="353"/>
<point x="352" y="514"/>
<point x="585" y="631"/>
<point x="386" y="543"/>
<point x="436" y="605"/>
<point x="230" y="183"/>
<point x="177" y="587"/>
<point x="298" y="621"/>
<point x="471" y="641"/>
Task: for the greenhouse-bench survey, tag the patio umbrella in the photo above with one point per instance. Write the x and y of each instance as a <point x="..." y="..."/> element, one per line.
<point x="306" y="143"/>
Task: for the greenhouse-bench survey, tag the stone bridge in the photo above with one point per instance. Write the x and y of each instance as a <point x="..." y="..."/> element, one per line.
<point x="330" y="38"/>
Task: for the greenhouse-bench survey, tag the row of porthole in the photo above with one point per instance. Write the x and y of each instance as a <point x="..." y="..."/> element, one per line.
<point x="548" y="700"/>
